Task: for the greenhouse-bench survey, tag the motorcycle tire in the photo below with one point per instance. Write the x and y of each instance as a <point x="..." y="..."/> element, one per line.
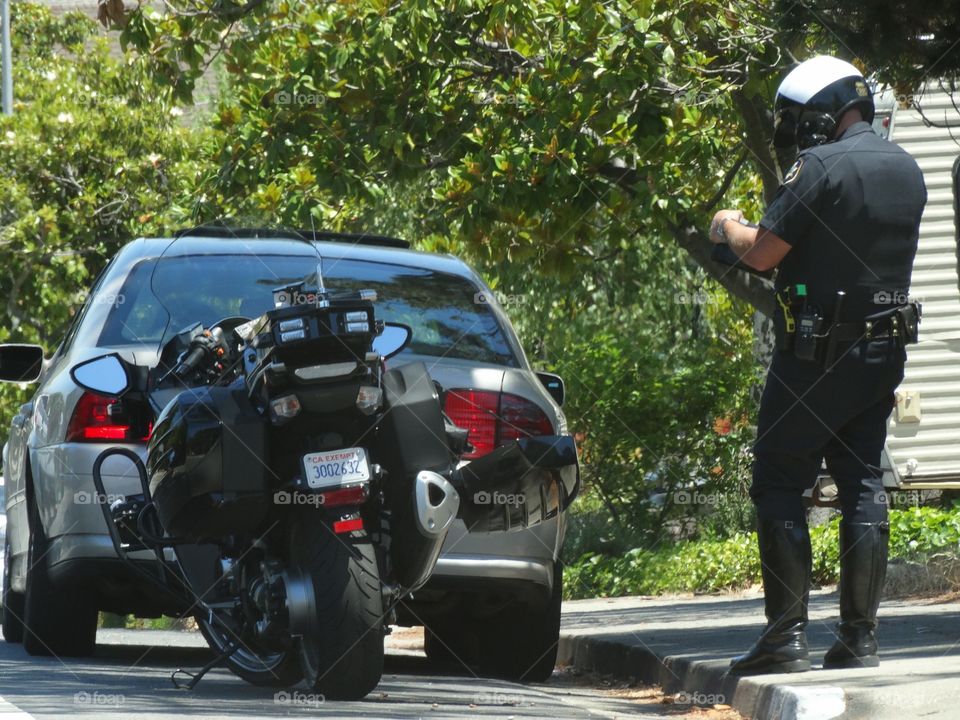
<point x="263" y="669"/>
<point x="343" y="658"/>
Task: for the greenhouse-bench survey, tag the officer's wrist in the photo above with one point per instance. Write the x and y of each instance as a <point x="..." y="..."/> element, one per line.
<point x="721" y="230"/>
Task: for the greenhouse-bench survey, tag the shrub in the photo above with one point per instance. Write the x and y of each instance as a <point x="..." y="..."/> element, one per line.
<point x="733" y="563"/>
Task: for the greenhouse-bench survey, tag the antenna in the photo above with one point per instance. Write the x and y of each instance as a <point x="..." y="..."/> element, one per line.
<point x="313" y="241"/>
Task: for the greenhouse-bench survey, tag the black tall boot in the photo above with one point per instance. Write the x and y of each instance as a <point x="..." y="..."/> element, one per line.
<point x="785" y="563"/>
<point x="863" y="566"/>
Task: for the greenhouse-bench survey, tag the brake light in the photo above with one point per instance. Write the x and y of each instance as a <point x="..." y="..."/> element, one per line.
<point x="92" y="421"/>
<point x="477" y="412"/>
<point x="350" y="525"/>
<point x="521" y="418"/>
<point x="494" y="419"/>
<point x="345" y="496"/>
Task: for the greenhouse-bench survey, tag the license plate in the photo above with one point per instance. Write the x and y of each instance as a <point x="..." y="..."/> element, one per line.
<point x="335" y="468"/>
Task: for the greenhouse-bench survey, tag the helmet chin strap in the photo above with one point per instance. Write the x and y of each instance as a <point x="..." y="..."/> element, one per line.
<point x="815" y="128"/>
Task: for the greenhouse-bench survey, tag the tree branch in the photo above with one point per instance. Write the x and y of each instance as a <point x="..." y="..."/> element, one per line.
<point x="743" y="285"/>
<point x="728" y="177"/>
<point x="756" y="140"/>
<point x="620" y="173"/>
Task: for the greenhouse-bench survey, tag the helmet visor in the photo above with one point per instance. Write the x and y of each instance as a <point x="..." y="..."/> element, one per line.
<point x="785" y="127"/>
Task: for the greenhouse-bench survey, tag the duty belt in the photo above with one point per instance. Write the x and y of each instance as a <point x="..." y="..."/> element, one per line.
<point x="813" y="335"/>
<point x="901" y="324"/>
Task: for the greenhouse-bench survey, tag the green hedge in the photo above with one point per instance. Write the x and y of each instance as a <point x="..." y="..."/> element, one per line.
<point x="730" y="564"/>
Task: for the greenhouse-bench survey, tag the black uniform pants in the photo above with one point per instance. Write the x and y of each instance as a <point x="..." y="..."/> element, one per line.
<point x="808" y="416"/>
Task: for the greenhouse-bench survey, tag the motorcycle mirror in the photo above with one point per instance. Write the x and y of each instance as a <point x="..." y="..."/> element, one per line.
<point x="106" y="375"/>
<point x="394" y="339"/>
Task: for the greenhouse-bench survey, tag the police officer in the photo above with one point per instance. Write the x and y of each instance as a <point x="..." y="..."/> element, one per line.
<point x="842" y="232"/>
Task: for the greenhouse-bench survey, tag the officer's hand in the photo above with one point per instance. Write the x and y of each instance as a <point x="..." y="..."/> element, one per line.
<point x="715" y="225"/>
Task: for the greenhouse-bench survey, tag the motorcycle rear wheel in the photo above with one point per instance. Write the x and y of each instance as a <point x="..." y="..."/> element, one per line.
<point x="342" y="658"/>
<point x="277" y="670"/>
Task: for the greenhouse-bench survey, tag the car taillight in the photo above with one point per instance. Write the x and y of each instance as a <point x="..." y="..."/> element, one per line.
<point x="494" y="419"/>
<point x="477" y="412"/>
<point x="521" y="418"/>
<point x="92" y="421"/>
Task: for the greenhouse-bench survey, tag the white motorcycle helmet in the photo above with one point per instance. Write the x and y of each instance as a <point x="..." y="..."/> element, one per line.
<point x="813" y="97"/>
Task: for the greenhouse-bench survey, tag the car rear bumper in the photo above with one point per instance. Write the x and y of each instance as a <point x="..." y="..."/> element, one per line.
<point x="74" y="546"/>
<point x="88" y="564"/>
<point x="469" y="567"/>
<point x="73" y="520"/>
<point x="523" y="555"/>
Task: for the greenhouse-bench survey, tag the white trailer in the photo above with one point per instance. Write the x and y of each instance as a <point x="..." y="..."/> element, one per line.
<point x="923" y="441"/>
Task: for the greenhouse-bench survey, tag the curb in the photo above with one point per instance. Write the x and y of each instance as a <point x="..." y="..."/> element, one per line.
<point x="752" y="697"/>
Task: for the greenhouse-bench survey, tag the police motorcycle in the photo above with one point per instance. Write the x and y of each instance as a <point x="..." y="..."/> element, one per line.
<point x="295" y="489"/>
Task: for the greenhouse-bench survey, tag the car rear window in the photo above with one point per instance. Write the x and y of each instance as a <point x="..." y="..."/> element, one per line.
<point x="447" y="320"/>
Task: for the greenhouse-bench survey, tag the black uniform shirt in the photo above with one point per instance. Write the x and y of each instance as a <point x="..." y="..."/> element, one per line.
<point x="851" y="210"/>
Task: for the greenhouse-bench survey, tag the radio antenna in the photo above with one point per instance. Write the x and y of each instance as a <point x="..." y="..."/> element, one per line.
<point x="321" y="290"/>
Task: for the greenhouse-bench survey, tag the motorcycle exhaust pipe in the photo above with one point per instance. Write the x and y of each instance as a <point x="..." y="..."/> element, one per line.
<point x="437" y="503"/>
<point x="421" y="527"/>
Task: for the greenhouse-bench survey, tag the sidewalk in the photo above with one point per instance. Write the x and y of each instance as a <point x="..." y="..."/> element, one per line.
<point x="684" y="644"/>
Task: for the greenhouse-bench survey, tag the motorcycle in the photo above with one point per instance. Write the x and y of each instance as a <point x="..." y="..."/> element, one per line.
<point x="296" y="489"/>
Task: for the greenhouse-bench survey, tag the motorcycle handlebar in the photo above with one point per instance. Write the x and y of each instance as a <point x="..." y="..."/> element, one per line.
<point x="190" y="362"/>
<point x="201" y="347"/>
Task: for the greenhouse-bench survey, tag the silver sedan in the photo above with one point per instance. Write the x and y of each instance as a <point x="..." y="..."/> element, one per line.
<point x="494" y="599"/>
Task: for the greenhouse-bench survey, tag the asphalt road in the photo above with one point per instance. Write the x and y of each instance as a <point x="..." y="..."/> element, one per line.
<point x="130" y="677"/>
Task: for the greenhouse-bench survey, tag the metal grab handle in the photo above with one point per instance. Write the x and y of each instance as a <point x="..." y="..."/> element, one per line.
<point x="156" y="580"/>
<point x="102" y="493"/>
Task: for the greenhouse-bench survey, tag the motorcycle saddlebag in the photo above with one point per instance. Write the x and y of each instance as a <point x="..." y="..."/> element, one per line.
<point x="411" y="437"/>
<point x="206" y="464"/>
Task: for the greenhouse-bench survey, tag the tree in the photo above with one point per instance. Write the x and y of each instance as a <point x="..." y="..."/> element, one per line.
<point x="903" y="42"/>
<point x="550" y="132"/>
<point x="92" y="157"/>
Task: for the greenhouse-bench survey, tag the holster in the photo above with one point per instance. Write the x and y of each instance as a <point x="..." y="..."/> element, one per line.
<point x="900" y="324"/>
<point x="909" y="321"/>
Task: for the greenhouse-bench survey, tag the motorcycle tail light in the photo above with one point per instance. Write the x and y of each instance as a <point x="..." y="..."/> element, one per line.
<point x="494" y="419"/>
<point x="93" y="421"/>
<point x="345" y="496"/>
<point x="349" y="525"/>
<point x="369" y="399"/>
<point x="287" y="406"/>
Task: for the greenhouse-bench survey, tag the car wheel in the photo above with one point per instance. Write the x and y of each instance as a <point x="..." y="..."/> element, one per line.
<point x="55" y="622"/>
<point x="450" y="647"/>
<point x="520" y="642"/>
<point x="12" y="603"/>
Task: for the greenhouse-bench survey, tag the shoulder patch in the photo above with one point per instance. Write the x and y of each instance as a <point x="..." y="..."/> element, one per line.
<point x="793" y="172"/>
